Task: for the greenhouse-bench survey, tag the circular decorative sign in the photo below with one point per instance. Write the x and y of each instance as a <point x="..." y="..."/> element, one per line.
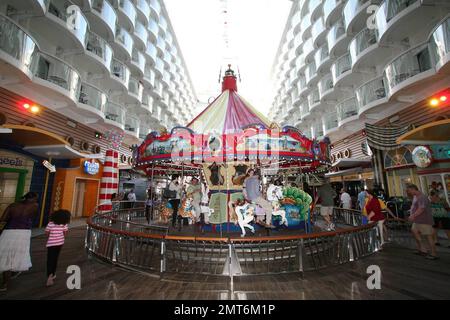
<point x="421" y="156"/>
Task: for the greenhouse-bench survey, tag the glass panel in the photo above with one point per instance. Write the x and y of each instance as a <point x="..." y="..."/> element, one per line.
<point x="342" y="65"/>
<point x="107" y="13"/>
<point x="440" y="42"/>
<point x="129" y="10"/>
<point x="325" y="84"/>
<point x="15" y="42"/>
<point x="141" y="32"/>
<point x="362" y="41"/>
<point x="330" y="121"/>
<point x="72" y="16"/>
<point x="93" y="97"/>
<point x="350" y="10"/>
<point x="124" y="38"/>
<point x="337" y="31"/>
<point x="371" y="91"/>
<point x="58" y="72"/>
<point x="120" y="71"/>
<point x="114" y="112"/>
<point x="321" y="55"/>
<point x="347" y="109"/>
<point x="99" y="47"/>
<point x="408" y="65"/>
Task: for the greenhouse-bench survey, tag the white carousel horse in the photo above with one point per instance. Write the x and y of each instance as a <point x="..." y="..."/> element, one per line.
<point x="245" y="215"/>
<point x="277" y="211"/>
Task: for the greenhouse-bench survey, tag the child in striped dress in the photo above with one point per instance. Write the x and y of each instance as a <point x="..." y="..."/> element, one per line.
<point x="56" y="230"/>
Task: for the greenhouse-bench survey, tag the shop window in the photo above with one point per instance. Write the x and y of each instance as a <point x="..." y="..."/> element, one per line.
<point x="398" y="158"/>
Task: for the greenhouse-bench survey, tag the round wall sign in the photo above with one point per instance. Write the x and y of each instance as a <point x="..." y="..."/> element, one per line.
<point x="421" y="157"/>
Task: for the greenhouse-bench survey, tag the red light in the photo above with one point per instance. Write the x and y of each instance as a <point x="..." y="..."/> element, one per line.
<point x="443" y="98"/>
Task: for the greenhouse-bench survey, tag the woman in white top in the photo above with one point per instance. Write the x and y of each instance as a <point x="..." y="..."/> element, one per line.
<point x="175" y="185"/>
<point x="346" y="200"/>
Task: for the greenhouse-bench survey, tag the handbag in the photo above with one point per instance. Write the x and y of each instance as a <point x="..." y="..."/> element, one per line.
<point x="169" y="194"/>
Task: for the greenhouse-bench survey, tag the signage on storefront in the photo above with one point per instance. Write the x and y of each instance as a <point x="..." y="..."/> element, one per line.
<point x="14" y="162"/>
<point x="91" y="167"/>
<point x="422" y="157"/>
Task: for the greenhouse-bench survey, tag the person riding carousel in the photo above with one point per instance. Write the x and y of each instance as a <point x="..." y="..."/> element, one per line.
<point x="252" y="193"/>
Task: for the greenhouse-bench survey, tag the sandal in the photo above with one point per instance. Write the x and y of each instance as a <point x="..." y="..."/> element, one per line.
<point x="420" y="253"/>
<point x="431" y="257"/>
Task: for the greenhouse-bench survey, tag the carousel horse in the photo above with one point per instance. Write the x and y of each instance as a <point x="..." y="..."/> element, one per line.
<point x="165" y="213"/>
<point x="245" y="213"/>
<point x="186" y="210"/>
<point x="277" y="211"/>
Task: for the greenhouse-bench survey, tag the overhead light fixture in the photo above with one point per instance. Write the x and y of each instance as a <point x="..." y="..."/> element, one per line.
<point x="34" y="109"/>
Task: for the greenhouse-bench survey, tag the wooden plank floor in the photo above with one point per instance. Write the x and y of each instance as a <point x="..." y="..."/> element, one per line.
<point x="404" y="276"/>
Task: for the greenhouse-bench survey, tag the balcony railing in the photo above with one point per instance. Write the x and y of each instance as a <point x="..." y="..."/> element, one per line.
<point x="16" y="42"/>
<point x="308" y="47"/>
<point x="120" y="71"/>
<point x="301" y="83"/>
<point x="317" y="129"/>
<point x="313" y="98"/>
<point x="371" y="91"/>
<point x="143" y="132"/>
<point x="306" y="22"/>
<point x="330" y="121"/>
<point x="99" y="47"/>
<point x="162" y="24"/>
<point x="347" y="109"/>
<point x="352" y="7"/>
<point x="138" y="59"/>
<point x="135" y="88"/>
<point x="335" y="33"/>
<point x="115" y="112"/>
<point x="304" y="109"/>
<point x="317" y="28"/>
<point x="56" y="71"/>
<point x="151" y="51"/>
<point x="440" y="42"/>
<point x="153" y="28"/>
<point x="125" y="39"/>
<point x="93" y="97"/>
<point x="141" y="32"/>
<point x="388" y="10"/>
<point x="159" y="66"/>
<point x="328" y="7"/>
<point x="132" y="124"/>
<point x="325" y="84"/>
<point x="362" y="41"/>
<point x="149" y="75"/>
<point x="74" y="20"/>
<point x="143" y="7"/>
<point x="411" y="63"/>
<point x="310" y="71"/>
<point x="155" y="6"/>
<point x="321" y="55"/>
<point x="106" y="12"/>
<point x="340" y="66"/>
<point x="128" y="9"/>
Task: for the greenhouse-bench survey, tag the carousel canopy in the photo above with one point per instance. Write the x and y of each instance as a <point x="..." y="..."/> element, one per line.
<point x="229" y="112"/>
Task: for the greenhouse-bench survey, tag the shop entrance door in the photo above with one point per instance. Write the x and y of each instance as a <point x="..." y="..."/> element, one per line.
<point x="85" y="197"/>
<point x="12" y="183"/>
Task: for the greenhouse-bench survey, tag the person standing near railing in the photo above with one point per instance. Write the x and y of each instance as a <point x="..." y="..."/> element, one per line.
<point x="194" y="191"/>
<point x="326" y="195"/>
<point x="176" y="187"/>
<point x="373" y="210"/>
<point x="346" y="200"/>
<point x="422" y="219"/>
<point x="132" y="198"/>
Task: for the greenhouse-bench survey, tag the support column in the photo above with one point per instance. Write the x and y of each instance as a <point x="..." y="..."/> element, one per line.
<point x="110" y="180"/>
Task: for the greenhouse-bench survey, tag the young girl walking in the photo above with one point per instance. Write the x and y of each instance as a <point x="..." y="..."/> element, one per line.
<point x="56" y="230"/>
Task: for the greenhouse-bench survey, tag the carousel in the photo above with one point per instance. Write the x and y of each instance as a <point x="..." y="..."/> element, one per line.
<point x="221" y="144"/>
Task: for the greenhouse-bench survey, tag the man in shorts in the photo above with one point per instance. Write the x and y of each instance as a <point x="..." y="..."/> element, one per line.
<point x="326" y="194"/>
<point x="422" y="218"/>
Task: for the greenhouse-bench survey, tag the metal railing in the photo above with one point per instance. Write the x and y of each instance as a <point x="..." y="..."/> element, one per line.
<point x="115" y="237"/>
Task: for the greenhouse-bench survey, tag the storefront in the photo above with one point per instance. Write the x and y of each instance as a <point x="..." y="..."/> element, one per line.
<point x="77" y="187"/>
<point x="430" y="155"/>
<point x="16" y="170"/>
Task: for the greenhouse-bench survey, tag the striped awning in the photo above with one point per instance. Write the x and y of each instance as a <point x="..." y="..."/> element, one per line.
<point x="384" y="138"/>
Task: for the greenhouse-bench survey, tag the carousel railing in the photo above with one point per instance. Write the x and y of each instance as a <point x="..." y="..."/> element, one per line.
<point x="112" y="237"/>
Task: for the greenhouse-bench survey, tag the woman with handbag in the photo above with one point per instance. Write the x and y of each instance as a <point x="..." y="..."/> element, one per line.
<point x="15" y="238"/>
<point x="175" y="189"/>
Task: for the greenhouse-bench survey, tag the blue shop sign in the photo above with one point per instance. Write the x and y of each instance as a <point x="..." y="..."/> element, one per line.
<point x="91" y="168"/>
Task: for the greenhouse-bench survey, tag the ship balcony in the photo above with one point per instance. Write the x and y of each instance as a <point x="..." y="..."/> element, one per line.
<point x="114" y="116"/>
<point x="314" y="99"/>
<point x="330" y="123"/>
<point x="137" y="65"/>
<point x="98" y="56"/>
<point x="347" y="111"/>
<point x="102" y="18"/>
<point x="92" y="101"/>
<point x="326" y="87"/>
<point x="319" y="32"/>
<point x="153" y="30"/>
<point x="337" y="39"/>
<point x="149" y="77"/>
<point x="135" y="91"/>
<point x="140" y="36"/>
<point x="372" y="94"/>
<point x="123" y="45"/>
<point x="440" y="46"/>
<point x="120" y="76"/>
<point x="332" y="10"/>
<point x="126" y="13"/>
<point x="131" y="128"/>
<point x="143" y="11"/>
<point x="155" y="9"/>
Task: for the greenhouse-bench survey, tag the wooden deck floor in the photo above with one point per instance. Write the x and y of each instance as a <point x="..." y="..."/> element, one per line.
<point x="404" y="276"/>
